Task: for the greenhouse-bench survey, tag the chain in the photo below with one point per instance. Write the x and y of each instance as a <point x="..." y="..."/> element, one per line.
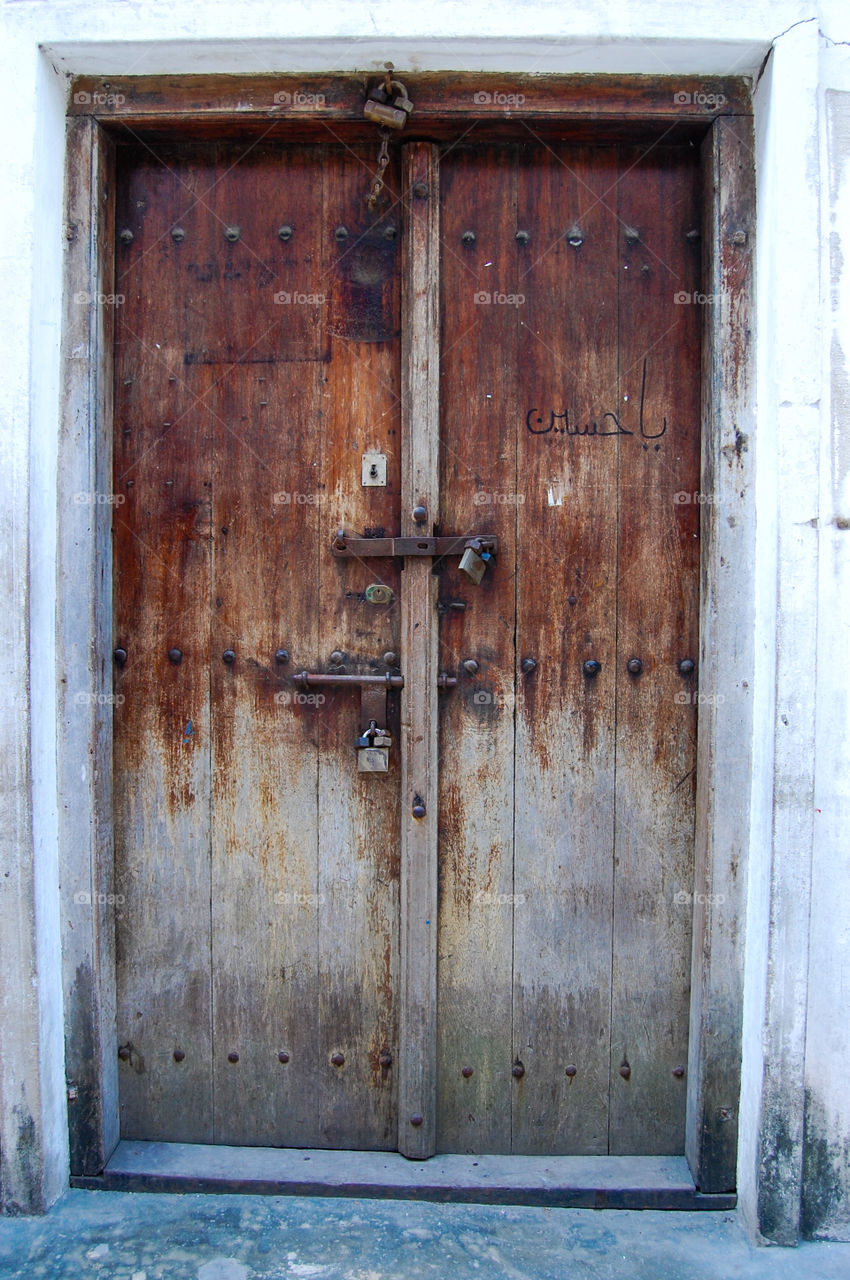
<point x="383" y="161"/>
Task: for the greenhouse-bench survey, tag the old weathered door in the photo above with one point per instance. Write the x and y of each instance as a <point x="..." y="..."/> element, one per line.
<point x="279" y="981"/>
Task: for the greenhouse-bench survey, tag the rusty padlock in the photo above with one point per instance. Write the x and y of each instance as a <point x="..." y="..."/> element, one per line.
<point x="380" y="110"/>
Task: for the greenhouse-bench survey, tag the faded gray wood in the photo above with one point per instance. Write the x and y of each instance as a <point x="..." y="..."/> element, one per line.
<point x="726" y="644"/>
<point x="420" y="408"/>
<point x="162" y="601"/>
<point x="358" y="874"/>
<point x="566" y="614"/>
<point x="478" y="478"/>
<point x="265" y="597"/>
<point x="657" y="589"/>
<point x="84" y="668"/>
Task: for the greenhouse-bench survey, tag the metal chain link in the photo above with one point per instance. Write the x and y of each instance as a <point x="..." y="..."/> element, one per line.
<point x="383" y="161"/>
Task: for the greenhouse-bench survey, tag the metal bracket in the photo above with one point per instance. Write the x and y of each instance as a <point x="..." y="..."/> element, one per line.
<point x="342" y="545"/>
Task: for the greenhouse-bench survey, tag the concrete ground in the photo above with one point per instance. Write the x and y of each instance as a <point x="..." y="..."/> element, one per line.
<point x="122" y="1236"/>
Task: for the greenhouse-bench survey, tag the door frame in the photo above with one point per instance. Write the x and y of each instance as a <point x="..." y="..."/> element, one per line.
<point x="714" y="115"/>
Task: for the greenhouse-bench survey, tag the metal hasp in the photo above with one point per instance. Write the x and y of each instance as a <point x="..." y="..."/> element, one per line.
<point x="475" y="549"/>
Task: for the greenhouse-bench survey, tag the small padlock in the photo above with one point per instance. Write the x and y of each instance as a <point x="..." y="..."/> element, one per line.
<point x="373" y="760"/>
<point x="472" y="564"/>
<point x="390" y="115"/>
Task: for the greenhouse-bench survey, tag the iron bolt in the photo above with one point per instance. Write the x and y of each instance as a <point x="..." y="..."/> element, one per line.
<point x="389" y="232"/>
<point x="385" y="1059"/>
<point x="283" y="1057"/>
<point x="420" y="189"/>
<point x="179" y="1055"/>
<point x="592" y="667"/>
<point x="625" y="1070"/>
<point x="282" y="655"/>
<point x="632" y="235"/>
<point x="517" y="1070"/>
<point x="233" y="1056"/>
<point x="570" y="1071"/>
<point x="575" y="237"/>
<point x="678" y="1072"/>
<point x="416" y="1120"/>
<point x="175" y="655"/>
<point x="470" y="666"/>
<point x="571" y="599"/>
<point x="692" y="236"/>
<point x="338" y="1059"/>
<point x="336" y="657"/>
<point x="420" y="515"/>
<point x="231" y="234"/>
<point x="124" y="1052"/>
<point x="468" y="237"/>
<point x="418" y="809"/>
<point x="528" y="665"/>
<point x="634" y="666"/>
<point x="686" y="666"/>
<point x="522" y="237"/>
<point x="126" y="236"/>
<point x="229" y="657"/>
<point x="285" y="232"/>
<point x="178" y="235"/>
<point x="390" y="658"/>
<point x="341" y="233"/>
<point x="120" y="656"/>
<point x="466" y="1072"/>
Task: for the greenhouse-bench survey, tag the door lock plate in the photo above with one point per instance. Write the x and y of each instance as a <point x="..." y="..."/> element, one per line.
<point x="374" y="471"/>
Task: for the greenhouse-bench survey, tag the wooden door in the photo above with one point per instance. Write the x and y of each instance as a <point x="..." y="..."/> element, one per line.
<point x="268" y="947"/>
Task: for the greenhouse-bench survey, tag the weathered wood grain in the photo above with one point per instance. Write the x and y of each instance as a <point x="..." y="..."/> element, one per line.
<point x="566" y="615"/>
<point x="478" y="486"/>
<point x="420" y="409"/>
<point x="162" y="725"/>
<point x="357" y="979"/>
<point x="657" y="621"/>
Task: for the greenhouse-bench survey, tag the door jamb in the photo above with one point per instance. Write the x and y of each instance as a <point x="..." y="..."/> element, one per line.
<point x="727" y="571"/>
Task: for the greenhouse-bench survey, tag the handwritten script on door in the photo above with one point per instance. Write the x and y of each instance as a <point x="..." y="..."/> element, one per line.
<point x="542" y="422"/>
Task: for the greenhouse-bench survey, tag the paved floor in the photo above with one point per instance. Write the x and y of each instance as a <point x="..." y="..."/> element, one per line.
<point x="120" y="1236"/>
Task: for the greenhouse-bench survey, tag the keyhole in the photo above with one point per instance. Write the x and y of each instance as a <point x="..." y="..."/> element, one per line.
<point x="373" y="470"/>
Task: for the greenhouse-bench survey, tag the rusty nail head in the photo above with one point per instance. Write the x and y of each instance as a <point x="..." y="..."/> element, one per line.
<point x="692" y="236"/>
<point x="283" y="1057"/>
<point x="420" y="189"/>
<point x="632" y="235"/>
<point x="686" y="666"/>
<point x="625" y="1070"/>
<point x="570" y="1071"/>
<point x="120" y="656"/>
<point x="233" y="1056"/>
<point x="126" y="236"/>
<point x="416" y="1120"/>
<point x="336" y="657"/>
<point x="678" y="1072"/>
<point x="466" y="1072"/>
<point x="575" y="237"/>
<point x="341" y="233"/>
<point x="72" y="1093"/>
<point x="385" y="1058"/>
<point x="470" y="666"/>
<point x="229" y="657"/>
<point x="285" y="232"/>
<point x="338" y="1059"/>
<point x="179" y="1055"/>
<point x="571" y="599"/>
<point x="418" y="809"/>
<point x="175" y="655"/>
<point x="518" y="1070"/>
<point x="389" y="232"/>
<point x="522" y="237"/>
<point x="738" y="237"/>
<point x="528" y="665"/>
<point x="178" y="235"/>
<point x="124" y="1052"/>
<point x="282" y="655"/>
<point x="468" y="237"/>
<point x="724" y="1113"/>
<point x="634" y="666"/>
<point x="592" y="667"/>
<point x="390" y="658"/>
<point x="420" y="515"/>
<point x="231" y="234"/>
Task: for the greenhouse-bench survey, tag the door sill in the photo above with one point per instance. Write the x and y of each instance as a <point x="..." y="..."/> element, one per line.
<point x="573" y="1182"/>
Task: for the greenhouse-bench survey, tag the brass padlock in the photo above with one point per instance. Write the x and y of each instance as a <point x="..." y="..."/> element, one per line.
<point x="473" y="562"/>
<point x="373" y="760"/>
<point x="390" y="115"/>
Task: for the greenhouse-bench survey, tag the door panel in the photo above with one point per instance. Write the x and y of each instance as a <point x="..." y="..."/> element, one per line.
<point x="258" y="357"/>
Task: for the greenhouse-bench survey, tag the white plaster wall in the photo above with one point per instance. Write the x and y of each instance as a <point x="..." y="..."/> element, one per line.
<point x="793" y="474"/>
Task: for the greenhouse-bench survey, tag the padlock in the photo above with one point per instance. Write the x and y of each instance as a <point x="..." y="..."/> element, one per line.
<point x="472" y="564"/>
<point x="373" y="760"/>
<point x="390" y="115"/>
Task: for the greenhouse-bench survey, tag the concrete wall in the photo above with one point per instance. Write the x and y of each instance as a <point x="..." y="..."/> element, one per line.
<point x="794" y="1115"/>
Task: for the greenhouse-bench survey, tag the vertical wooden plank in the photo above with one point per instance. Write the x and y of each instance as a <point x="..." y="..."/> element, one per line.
<point x="420" y="409"/>
<point x="84" y="666"/>
<point x="726" y="595"/>
<point x="568" y="450"/>
<point x="161" y="594"/>
<point x="657" y="625"/>
<point x="265" y="527"/>
<point x="479" y="492"/>
<point x="358" y="813"/>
